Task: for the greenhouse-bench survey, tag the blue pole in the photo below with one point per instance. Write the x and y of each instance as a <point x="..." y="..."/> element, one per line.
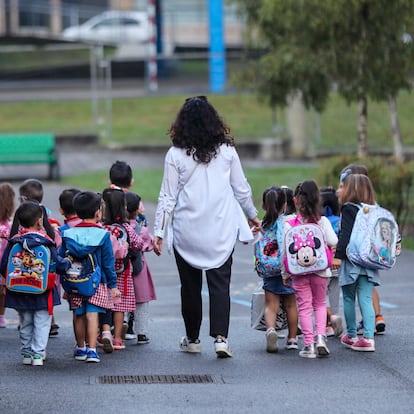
<point x="217" y="61"/>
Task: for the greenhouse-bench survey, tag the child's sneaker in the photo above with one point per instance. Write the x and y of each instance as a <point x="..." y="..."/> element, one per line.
<point x="37" y="360"/>
<point x="54" y="330"/>
<point x="27" y="359"/>
<point x="379" y="325"/>
<point x="143" y="339"/>
<point x="292" y="343"/>
<point x="271" y="341"/>
<point x="190" y="346"/>
<point x="321" y="346"/>
<point x="308" y="351"/>
<point x="360" y="328"/>
<point x="92" y="356"/>
<point x="80" y="354"/>
<point x="348" y="341"/>
<point x="336" y="321"/>
<point x="330" y="331"/>
<point x="124" y="331"/>
<point x="221" y="347"/>
<point x="107" y="342"/>
<point x="119" y="344"/>
<point x="364" y="344"/>
<point x="130" y="334"/>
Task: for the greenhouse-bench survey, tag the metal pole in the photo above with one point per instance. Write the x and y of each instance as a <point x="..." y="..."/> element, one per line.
<point x="152" y="75"/>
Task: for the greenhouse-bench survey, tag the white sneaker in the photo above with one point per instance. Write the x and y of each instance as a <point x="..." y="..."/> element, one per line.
<point x="187" y="346"/>
<point x="271" y="341"/>
<point x="221" y="346"/>
<point x="308" y="351"/>
<point x="321" y="346"/>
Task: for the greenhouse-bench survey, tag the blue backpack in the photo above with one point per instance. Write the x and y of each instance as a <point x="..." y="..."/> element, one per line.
<point x="267" y="252"/>
<point x="374" y="238"/>
<point x="83" y="277"/>
<point x="28" y="267"/>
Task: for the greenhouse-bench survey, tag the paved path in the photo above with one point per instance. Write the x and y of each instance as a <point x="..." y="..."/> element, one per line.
<point x="251" y="382"/>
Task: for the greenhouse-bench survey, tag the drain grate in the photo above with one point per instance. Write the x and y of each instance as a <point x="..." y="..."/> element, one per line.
<point x="156" y="379"/>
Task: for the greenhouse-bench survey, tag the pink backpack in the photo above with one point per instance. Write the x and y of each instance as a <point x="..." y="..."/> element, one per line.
<point x="305" y="248"/>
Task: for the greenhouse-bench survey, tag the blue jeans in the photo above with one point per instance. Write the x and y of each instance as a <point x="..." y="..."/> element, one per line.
<point x="363" y="288"/>
<point x="34" y="331"/>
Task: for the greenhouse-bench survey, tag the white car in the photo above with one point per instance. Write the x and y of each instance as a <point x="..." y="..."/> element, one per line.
<point x="112" y="27"/>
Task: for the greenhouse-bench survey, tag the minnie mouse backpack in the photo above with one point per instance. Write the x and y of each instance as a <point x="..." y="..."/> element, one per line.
<point x="305" y="248"/>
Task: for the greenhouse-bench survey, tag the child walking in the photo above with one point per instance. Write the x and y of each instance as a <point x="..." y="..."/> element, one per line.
<point x="274" y="205"/>
<point x="143" y="284"/>
<point x="356" y="281"/>
<point x="115" y="220"/>
<point x="330" y="205"/>
<point x="35" y="310"/>
<point x="7" y="207"/>
<point x="86" y="238"/>
<point x="311" y="288"/>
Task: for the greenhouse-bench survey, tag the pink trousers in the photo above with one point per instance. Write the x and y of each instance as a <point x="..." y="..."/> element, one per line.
<point x="311" y="296"/>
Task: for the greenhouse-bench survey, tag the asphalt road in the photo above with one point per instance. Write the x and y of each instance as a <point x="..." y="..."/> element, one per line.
<point x="253" y="381"/>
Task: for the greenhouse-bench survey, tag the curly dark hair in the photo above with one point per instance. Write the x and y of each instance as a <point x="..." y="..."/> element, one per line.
<point x="199" y="129"/>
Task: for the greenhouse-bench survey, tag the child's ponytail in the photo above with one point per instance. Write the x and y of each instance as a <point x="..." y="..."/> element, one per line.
<point x="274" y="200"/>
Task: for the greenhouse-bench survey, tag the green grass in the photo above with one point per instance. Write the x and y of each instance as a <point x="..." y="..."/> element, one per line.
<point x="146" y="120"/>
<point x="147" y="182"/>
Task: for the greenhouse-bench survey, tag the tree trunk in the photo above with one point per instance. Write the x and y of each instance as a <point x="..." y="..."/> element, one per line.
<point x="362" y="127"/>
<point x="395" y="129"/>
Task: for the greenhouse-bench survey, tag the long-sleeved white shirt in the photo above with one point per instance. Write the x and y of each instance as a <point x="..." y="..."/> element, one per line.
<point x="206" y="201"/>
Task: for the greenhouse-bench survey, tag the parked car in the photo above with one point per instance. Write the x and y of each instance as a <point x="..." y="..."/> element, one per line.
<point x="112" y="27"/>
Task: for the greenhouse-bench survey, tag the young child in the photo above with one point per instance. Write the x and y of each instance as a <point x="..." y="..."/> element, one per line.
<point x="143" y="285"/>
<point x="32" y="190"/>
<point x="66" y="208"/>
<point x="274" y="205"/>
<point x="379" y="319"/>
<point x="311" y="288"/>
<point x="355" y="280"/>
<point x="89" y="237"/>
<point x="115" y="214"/>
<point x="330" y="205"/>
<point x="7" y="207"/>
<point x="34" y="309"/>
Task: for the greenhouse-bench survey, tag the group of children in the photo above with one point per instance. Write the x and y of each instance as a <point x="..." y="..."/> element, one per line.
<point x="112" y="229"/>
<point x="311" y="300"/>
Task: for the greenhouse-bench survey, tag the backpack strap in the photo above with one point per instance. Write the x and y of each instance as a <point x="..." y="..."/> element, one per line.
<point x="295" y="221"/>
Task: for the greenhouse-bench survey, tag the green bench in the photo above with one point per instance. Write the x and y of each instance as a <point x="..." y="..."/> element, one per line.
<point x="27" y="148"/>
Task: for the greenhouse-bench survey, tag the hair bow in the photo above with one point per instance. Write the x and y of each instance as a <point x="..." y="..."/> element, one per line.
<point x="307" y="242"/>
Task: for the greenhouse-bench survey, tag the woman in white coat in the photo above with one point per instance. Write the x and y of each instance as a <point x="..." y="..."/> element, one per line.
<point x="204" y="200"/>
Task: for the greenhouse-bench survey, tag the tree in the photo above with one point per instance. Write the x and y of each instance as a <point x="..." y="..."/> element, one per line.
<point x="310" y="44"/>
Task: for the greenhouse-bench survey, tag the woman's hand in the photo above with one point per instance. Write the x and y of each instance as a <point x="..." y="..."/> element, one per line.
<point x="255" y="225"/>
<point x="157" y="243"/>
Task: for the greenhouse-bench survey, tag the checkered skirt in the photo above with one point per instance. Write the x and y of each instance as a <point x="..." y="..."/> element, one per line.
<point x="125" y="284"/>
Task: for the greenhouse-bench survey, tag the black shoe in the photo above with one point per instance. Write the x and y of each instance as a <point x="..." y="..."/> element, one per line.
<point x="54" y="330"/>
<point x="142" y="339"/>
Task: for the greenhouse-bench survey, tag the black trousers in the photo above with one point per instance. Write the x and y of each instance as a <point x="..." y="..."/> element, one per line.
<point x="218" y="282"/>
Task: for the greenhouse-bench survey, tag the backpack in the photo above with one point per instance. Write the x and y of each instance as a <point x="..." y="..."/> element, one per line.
<point x="121" y="235"/>
<point x="373" y="238"/>
<point x="83" y="277"/>
<point x="267" y="253"/>
<point x="28" y="268"/>
<point x="136" y="256"/>
<point x="335" y="221"/>
<point x="305" y="248"/>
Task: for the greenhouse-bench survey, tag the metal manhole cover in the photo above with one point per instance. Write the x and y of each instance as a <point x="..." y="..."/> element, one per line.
<point x="156" y="379"/>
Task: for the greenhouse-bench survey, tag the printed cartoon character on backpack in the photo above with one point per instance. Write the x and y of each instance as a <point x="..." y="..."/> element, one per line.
<point x="120" y="243"/>
<point x="267" y="256"/>
<point x="374" y="237"/>
<point x="28" y="266"/>
<point x="306" y="249"/>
